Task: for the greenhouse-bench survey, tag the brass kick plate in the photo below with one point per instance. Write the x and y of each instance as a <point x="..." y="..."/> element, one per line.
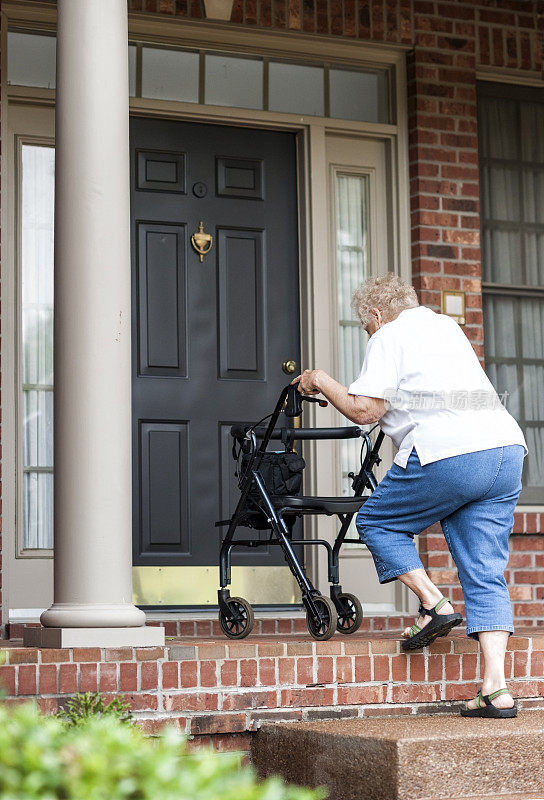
<point x="197" y="586"/>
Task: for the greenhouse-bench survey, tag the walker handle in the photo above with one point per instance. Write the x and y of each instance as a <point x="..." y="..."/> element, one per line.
<point x="293" y="405"/>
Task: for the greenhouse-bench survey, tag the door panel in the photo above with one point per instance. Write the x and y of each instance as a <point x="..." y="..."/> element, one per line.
<point x="240" y="262"/>
<point x="162" y="309"/>
<point x="210" y="335"/>
<point x="165" y="487"/>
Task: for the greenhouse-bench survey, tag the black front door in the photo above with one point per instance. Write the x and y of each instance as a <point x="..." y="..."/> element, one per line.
<point x="210" y="334"/>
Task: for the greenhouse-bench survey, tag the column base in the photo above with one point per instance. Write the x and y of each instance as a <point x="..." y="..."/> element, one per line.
<point x="152" y="636"/>
<point x="93" y="615"/>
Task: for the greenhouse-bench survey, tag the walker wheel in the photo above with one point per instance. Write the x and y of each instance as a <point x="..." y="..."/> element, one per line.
<point x="325" y="627"/>
<point x="240" y="622"/>
<point x="350" y="613"/>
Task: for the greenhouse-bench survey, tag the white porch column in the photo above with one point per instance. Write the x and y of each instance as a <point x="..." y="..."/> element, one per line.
<point x="93" y="505"/>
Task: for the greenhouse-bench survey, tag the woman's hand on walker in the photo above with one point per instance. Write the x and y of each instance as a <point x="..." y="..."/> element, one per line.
<point x="308" y="381"/>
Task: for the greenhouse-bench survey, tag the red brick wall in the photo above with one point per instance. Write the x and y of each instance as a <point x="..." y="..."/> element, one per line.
<point x="229" y="689"/>
<point x="507" y="30"/>
<point x="452" y="40"/>
<point x="524" y="576"/>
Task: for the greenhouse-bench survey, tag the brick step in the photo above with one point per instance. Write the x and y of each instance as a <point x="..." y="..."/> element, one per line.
<point x="206" y="626"/>
<point x="213" y="686"/>
<point x="407" y="759"/>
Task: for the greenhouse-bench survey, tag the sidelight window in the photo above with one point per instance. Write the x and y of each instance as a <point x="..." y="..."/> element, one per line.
<point x="37" y="163"/>
<point x="353" y="267"/>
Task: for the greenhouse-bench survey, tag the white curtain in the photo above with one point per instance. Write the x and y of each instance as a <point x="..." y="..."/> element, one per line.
<point x="352" y="238"/>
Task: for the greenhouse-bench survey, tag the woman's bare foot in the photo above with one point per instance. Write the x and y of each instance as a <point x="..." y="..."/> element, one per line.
<point x="502" y="701"/>
<point x="447" y="608"/>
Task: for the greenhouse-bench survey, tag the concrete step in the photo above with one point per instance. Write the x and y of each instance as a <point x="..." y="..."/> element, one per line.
<point x="531" y="796"/>
<point x="408" y="758"/>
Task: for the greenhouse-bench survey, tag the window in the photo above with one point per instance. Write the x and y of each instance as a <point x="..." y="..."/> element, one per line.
<point x="170" y="74"/>
<point x="511" y="142"/>
<point x="233" y="81"/>
<point x="224" y="79"/>
<point x="37" y="185"/>
<point x="31" y="61"/>
<point x="297" y="89"/>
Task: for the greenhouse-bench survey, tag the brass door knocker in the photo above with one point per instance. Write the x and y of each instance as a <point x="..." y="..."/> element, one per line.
<point x="202" y="242"/>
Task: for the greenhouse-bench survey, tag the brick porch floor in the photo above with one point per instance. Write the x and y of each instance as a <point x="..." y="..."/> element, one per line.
<point x="221" y="690"/>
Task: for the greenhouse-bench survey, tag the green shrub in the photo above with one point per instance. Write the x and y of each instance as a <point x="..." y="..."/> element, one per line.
<point x="103" y="759"/>
<point x="82" y="706"/>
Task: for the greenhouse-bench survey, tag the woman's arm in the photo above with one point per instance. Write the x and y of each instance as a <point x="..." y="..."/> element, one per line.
<point x="357" y="408"/>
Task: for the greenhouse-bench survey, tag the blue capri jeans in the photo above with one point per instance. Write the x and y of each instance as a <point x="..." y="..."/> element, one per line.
<point x="473" y="496"/>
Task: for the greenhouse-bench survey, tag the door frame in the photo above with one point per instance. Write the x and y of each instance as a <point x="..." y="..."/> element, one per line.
<point x="317" y="344"/>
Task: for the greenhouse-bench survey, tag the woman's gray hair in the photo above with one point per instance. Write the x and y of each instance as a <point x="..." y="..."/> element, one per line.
<point x="389" y="293"/>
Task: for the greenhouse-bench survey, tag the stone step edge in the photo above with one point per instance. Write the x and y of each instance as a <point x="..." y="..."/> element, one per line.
<point x="197" y="723"/>
<point x="201" y="628"/>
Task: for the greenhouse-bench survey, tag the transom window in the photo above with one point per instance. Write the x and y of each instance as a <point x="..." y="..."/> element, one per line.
<point x="511" y="142"/>
<point x="224" y="79"/>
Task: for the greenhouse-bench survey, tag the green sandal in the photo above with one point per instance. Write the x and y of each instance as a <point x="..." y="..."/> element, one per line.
<point x="440" y="625"/>
<point x="488" y="709"/>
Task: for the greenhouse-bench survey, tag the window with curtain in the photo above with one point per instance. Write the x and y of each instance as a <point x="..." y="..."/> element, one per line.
<point x="511" y="156"/>
<point x="37" y="186"/>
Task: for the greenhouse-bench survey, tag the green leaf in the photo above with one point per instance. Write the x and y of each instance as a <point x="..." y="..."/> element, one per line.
<point x="90" y="753"/>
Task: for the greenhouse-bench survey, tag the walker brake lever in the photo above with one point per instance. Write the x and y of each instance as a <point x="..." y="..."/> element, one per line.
<point x="322" y="403"/>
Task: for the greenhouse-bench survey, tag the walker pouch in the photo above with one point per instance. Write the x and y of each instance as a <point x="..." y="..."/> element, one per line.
<point x="281" y="473"/>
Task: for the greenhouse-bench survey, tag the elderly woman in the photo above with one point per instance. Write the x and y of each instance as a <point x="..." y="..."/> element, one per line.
<point x="459" y="461"/>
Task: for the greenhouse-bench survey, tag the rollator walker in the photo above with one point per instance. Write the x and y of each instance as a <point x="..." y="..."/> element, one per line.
<point x="269" y="483"/>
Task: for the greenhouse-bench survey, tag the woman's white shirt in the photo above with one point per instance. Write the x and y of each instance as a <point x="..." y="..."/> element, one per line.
<point x="439" y="399"/>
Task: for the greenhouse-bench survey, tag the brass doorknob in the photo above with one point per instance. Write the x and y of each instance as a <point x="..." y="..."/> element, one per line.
<point x="289" y="367"/>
